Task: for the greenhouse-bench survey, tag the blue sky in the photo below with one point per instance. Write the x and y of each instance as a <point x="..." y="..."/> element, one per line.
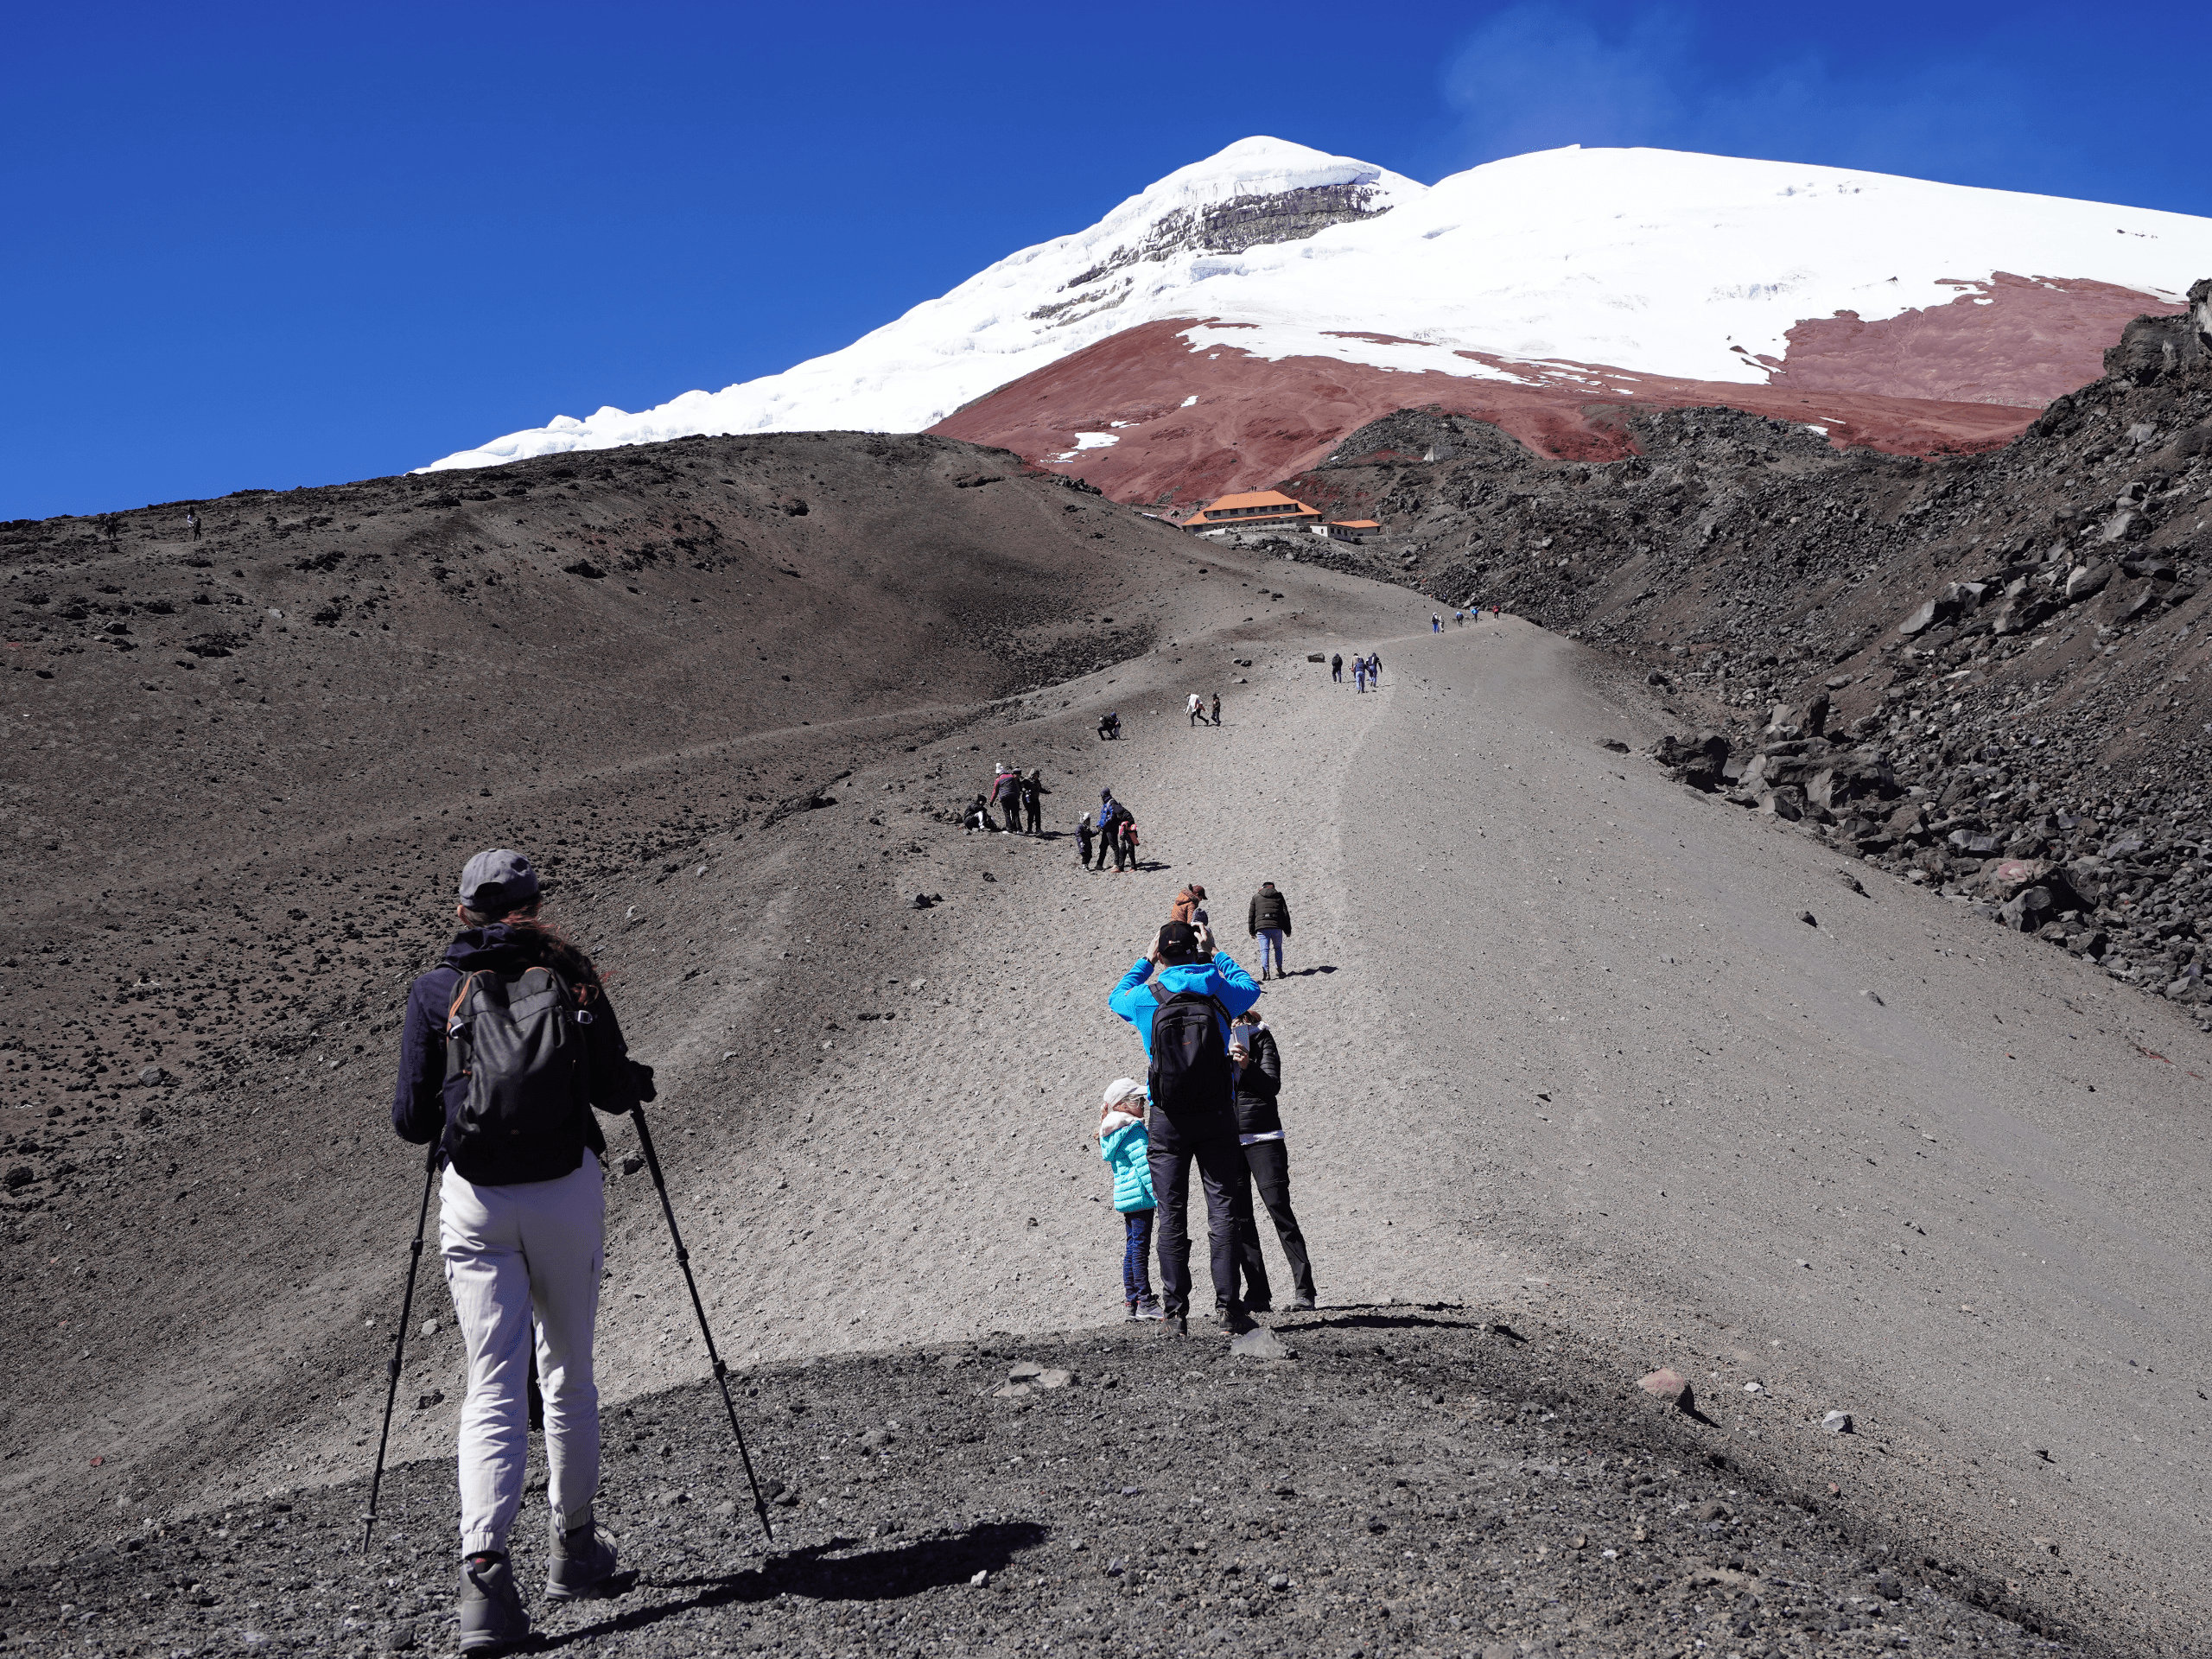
<point x="264" y="246"/>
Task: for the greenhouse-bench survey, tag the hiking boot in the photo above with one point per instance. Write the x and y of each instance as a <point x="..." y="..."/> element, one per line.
<point x="579" y="1562"/>
<point x="1259" y="1308"/>
<point x="1235" y="1321"/>
<point x="492" y="1618"/>
<point x="1175" y="1325"/>
<point x="1147" y="1307"/>
<point x="1302" y="1303"/>
<point x="1128" y="1310"/>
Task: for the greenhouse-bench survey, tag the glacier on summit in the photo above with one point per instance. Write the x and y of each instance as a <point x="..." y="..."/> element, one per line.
<point x="1652" y="262"/>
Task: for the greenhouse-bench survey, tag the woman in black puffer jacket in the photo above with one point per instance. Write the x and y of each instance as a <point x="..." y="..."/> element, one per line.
<point x="1259" y="1127"/>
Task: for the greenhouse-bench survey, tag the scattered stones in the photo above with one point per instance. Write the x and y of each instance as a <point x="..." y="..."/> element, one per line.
<point x="1836" y="1422"/>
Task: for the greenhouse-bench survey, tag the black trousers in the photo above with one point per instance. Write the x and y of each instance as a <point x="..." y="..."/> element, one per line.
<point x="1083" y="844"/>
<point x="1228" y="1183"/>
<point x="1269" y="1163"/>
<point x="1034" y="812"/>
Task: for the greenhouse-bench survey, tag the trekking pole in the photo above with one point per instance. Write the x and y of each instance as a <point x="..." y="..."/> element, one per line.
<point x="683" y="1260"/>
<point x="399" y="1342"/>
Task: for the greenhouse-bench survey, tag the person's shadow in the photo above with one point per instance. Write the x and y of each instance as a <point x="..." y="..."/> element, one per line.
<point x="818" y="1574"/>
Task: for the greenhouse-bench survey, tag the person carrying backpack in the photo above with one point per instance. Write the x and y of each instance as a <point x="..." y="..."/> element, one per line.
<point x="1267" y="918"/>
<point x="1337" y="668"/>
<point x="1182" y="1019"/>
<point x="508" y="1046"/>
<point x="1259" y="1131"/>
<point x="1032" y="801"/>
<point x="1006" y="795"/>
<point x="1113" y="821"/>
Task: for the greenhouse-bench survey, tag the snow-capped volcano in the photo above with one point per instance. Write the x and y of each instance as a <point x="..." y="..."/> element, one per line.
<point x="1522" y="290"/>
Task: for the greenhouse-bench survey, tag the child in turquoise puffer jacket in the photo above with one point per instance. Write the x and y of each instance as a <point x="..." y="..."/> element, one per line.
<point x="1127" y="1149"/>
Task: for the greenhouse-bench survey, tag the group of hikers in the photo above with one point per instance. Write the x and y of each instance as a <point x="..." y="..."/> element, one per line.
<point x="509" y="1048"/>
<point x="1210" y="1098"/>
<point x="1197" y="710"/>
<point x="1019" y="796"/>
<point x="1364" y="669"/>
<point x="1459" y="617"/>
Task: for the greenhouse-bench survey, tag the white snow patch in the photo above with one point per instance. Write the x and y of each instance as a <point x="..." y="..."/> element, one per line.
<point x="1187" y="401"/>
<point x="1646" y="260"/>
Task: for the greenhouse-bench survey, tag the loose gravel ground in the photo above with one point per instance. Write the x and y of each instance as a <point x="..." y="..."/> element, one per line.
<point x="1411" y="1480"/>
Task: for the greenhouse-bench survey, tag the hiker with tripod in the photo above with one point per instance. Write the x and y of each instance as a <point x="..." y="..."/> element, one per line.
<point x="509" y="1044"/>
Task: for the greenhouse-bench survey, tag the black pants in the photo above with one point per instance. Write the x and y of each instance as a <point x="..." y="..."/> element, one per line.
<point x="1083" y="845"/>
<point x="1034" y="811"/>
<point x="1269" y="1163"/>
<point x="1228" y="1183"/>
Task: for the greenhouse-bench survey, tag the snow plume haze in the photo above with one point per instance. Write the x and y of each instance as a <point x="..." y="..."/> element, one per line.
<point x="1639" y="262"/>
<point x="1538" y="76"/>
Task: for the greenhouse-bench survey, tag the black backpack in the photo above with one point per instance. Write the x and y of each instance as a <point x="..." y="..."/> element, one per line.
<point x="519" y="1039"/>
<point x="1189" y="1077"/>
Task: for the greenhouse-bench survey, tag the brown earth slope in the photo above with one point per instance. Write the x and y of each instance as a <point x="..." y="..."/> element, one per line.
<point x="1558" y="1041"/>
<point x="244" y="768"/>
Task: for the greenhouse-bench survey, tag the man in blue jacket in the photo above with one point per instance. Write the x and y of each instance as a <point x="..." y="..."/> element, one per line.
<point x="1195" y="993"/>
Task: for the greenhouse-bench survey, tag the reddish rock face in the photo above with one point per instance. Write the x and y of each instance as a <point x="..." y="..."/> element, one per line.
<point x="1952" y="380"/>
<point x="2013" y="340"/>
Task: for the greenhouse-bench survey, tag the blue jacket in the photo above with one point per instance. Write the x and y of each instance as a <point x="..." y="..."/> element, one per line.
<point x="1220" y="979"/>
<point x="1128" y="1152"/>
<point x="426" y="1104"/>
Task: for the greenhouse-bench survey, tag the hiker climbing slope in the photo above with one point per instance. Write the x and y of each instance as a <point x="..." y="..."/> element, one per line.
<point x="508" y="1046"/>
<point x="1182" y="1019"/>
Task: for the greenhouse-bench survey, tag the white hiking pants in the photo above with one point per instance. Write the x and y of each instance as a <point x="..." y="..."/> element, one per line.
<point x="518" y="1257"/>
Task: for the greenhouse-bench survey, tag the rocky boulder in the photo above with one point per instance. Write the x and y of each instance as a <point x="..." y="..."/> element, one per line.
<point x="1697" y="761"/>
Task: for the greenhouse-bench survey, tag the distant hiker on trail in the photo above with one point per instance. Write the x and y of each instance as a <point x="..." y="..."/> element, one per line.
<point x="1337" y="668"/>
<point x="1259" y="1131"/>
<point x="1182" y="1017"/>
<point x="1359" y="673"/>
<point x="1268" y="919"/>
<point x="1005" y="794"/>
<point x="1032" y="801"/>
<point x="1123" y="1143"/>
<point x="1196" y="708"/>
<point x="1082" y="841"/>
<point x="1375" y="669"/>
<point x="508" y="1046"/>
<point x="191" y="521"/>
<point x="1189" y="905"/>
<point x="1113" y="817"/>
<point x="1436" y="623"/>
<point x="977" y="816"/>
<point x="1217" y="708"/>
<point x="1129" y="846"/>
<point x="1109" y="727"/>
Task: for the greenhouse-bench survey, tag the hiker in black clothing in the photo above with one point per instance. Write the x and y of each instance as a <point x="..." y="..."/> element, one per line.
<point x="1267" y="918"/>
<point x="1033" y="800"/>
<point x="191" y="521"/>
<point x="977" y="816"/>
<point x="1259" y="1130"/>
<point x="1217" y="708"/>
<point x="1337" y="668"/>
<point x="507" y="1047"/>
<point x="1082" y="841"/>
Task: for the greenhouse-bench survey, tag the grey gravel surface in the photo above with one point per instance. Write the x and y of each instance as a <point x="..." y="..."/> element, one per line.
<point x="1413" y="1480"/>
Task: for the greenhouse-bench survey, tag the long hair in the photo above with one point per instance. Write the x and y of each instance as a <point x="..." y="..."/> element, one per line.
<point x="546" y="945"/>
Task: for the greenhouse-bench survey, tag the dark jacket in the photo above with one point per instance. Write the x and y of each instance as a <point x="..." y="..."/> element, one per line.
<point x="1259" y="1080"/>
<point x="427" y="1104"/>
<point x="1033" y="794"/>
<point x="1267" y="910"/>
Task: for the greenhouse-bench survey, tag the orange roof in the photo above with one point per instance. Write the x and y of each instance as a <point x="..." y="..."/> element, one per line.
<point x="1254" y="499"/>
<point x="1354" y="523"/>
